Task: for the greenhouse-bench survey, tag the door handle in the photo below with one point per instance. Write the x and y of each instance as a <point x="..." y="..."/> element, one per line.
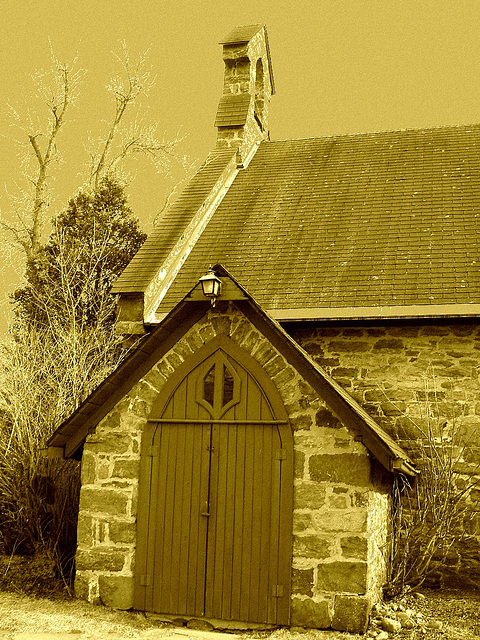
<point x="205" y="512"/>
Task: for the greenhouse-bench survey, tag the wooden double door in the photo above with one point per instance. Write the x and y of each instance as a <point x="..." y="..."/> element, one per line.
<point x="214" y="525"/>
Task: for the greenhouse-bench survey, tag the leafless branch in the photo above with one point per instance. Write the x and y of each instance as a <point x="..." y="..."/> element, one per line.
<point x="57" y="89"/>
<point x="126" y="88"/>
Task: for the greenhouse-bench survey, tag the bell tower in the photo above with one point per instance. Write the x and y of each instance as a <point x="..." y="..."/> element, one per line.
<point x="242" y="116"/>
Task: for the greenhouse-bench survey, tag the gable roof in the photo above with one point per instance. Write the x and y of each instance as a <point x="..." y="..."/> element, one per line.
<point x="346" y="226"/>
<point x="232" y="109"/>
<point x="69" y="437"/>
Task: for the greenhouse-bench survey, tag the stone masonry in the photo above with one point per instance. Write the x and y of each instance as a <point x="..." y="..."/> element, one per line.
<point x="242" y="71"/>
<point x="408" y="378"/>
<point x="341" y="499"/>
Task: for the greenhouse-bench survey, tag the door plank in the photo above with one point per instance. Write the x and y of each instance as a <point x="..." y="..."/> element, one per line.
<point x="144" y="532"/>
<point x="179" y="401"/>
<point x="274" y="534"/>
<point x="204" y="502"/>
<point x="219" y="456"/>
<point x="240" y="409"/>
<point x="152" y="525"/>
<point x="181" y="499"/>
<point x="247" y="524"/>
<point x="266" y="412"/>
<point x="238" y="506"/>
<point x="170" y="504"/>
<point x="158" y="520"/>
<point x="286" y="519"/>
<point x="212" y="523"/>
<point x="232" y="486"/>
<point x="200" y="436"/>
<point x="265" y="582"/>
<point x="259" y="497"/>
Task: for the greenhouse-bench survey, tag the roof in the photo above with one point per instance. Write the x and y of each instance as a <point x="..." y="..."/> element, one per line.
<point x="371" y="220"/>
<point x="160" y="242"/>
<point x="232" y="110"/>
<point x="70" y="436"/>
<point x="242" y="34"/>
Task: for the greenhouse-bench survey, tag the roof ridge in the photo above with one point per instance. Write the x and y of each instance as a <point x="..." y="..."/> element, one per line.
<point x="374" y="133"/>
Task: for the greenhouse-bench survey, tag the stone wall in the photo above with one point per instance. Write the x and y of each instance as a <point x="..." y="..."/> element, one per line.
<point x="340" y="504"/>
<point x="411" y="378"/>
<point x="379" y="513"/>
<point x="342" y="510"/>
<point x="108" y="506"/>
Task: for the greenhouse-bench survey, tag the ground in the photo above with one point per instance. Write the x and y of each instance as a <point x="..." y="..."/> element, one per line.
<point x="24" y="617"/>
<point x="437" y="614"/>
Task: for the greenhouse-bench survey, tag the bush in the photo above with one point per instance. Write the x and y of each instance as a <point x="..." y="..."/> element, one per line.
<point x="430" y="513"/>
<point x="39" y="510"/>
<point x="41" y="382"/>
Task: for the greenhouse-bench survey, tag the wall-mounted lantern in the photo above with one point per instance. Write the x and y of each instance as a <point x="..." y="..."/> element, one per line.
<point x="211" y="286"/>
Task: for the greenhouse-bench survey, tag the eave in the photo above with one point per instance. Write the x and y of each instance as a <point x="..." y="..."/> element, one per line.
<point x="311" y="314"/>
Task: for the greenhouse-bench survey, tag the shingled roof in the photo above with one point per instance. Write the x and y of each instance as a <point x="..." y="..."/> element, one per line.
<point x="241" y="34"/>
<point x="355" y="221"/>
<point x="162" y="240"/>
<point x="232" y="110"/>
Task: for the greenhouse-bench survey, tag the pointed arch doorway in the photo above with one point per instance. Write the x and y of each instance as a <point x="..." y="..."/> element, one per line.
<point x="215" y="506"/>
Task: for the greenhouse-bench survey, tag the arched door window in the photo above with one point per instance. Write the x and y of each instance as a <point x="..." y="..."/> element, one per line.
<point x="218" y="385"/>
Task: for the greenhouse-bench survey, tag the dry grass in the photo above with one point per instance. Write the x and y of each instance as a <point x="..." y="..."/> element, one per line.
<point x="458" y="611"/>
<point x="27" y="614"/>
<point x="312" y="634"/>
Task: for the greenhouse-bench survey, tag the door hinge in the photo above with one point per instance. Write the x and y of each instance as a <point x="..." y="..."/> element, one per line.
<point x="277" y="590"/>
<point x="146" y="580"/>
<point x="281" y="454"/>
<point x="153" y="451"/>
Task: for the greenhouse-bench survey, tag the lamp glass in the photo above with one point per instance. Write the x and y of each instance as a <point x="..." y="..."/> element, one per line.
<point x="210" y="285"/>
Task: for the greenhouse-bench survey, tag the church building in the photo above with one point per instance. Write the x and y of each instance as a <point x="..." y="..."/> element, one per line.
<point x="287" y="312"/>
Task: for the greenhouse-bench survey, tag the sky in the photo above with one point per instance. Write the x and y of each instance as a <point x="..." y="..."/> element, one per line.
<point x="340" y="66"/>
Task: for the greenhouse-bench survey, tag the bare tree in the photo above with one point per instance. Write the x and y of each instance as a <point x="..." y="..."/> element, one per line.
<point x="138" y="139"/>
<point x="51" y="363"/>
<point x="46" y="371"/>
<point x="57" y="90"/>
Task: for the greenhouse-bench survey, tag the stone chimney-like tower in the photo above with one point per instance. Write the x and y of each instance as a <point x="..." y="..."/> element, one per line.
<point x="242" y="116"/>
